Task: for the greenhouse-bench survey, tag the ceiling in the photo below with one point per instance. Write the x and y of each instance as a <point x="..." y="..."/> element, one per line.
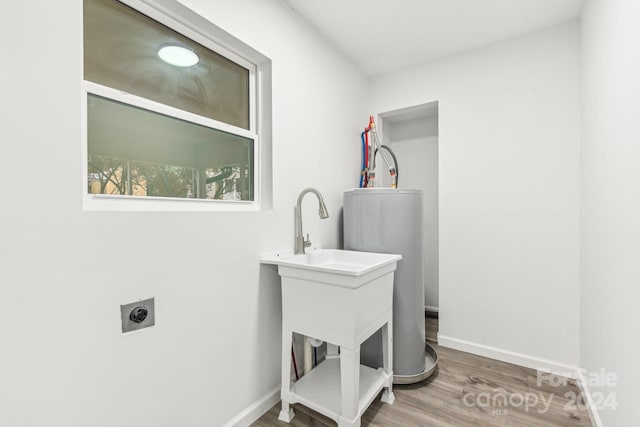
<point x="385" y="35"/>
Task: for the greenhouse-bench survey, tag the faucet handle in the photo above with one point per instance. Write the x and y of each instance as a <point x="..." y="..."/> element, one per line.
<point x="306" y="242"/>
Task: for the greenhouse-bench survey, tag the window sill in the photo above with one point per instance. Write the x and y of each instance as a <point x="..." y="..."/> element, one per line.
<point x="100" y="202"/>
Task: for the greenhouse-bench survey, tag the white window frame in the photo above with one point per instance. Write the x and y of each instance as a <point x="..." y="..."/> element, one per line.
<point x="177" y="17"/>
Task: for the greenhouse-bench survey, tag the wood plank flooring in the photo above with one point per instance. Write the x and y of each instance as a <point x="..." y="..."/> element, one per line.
<point x="465" y="390"/>
<point x="431" y="328"/>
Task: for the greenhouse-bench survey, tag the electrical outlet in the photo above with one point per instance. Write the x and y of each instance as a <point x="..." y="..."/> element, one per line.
<point x="138" y="315"/>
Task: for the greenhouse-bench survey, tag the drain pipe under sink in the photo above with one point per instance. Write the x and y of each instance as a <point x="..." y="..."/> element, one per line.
<point x="309" y="344"/>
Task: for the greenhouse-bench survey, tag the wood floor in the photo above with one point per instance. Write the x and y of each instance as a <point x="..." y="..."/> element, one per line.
<point x="431" y="328"/>
<point x="465" y="390"/>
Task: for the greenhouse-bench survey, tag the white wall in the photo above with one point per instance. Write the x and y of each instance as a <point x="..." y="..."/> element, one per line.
<point x="415" y="144"/>
<point x="610" y="220"/>
<point x="509" y="172"/>
<point x="64" y="273"/>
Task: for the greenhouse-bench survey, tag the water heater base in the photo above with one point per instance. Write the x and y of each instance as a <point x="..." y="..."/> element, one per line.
<point x="431" y="363"/>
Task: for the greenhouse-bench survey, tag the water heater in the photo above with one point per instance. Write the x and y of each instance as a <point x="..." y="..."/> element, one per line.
<point x="389" y="220"/>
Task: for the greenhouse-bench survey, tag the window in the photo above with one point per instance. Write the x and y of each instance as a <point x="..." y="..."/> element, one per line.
<point x="158" y="129"/>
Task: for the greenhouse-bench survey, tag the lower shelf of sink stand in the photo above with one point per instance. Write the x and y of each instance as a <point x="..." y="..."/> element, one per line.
<point x="320" y="389"/>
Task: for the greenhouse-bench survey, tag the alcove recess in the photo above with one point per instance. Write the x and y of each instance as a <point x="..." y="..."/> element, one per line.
<point x="412" y="134"/>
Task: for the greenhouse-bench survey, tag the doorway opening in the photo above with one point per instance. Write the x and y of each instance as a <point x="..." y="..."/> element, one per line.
<point x="412" y="134"/>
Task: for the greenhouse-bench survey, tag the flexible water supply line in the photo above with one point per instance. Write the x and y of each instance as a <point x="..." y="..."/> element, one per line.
<point x="370" y="147"/>
<point x="366" y="153"/>
<point x="371" y="160"/>
<point x="364" y="161"/>
<point x="394" y="170"/>
<point x="366" y="158"/>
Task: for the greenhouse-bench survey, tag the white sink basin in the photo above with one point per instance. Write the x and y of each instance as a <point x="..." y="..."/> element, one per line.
<point x="335" y="295"/>
<point x="335" y="261"/>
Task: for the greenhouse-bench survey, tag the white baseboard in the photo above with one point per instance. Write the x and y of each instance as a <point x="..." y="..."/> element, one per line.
<point x="556" y="368"/>
<point x="255" y="410"/>
<point x="591" y="407"/>
<point x="430" y="308"/>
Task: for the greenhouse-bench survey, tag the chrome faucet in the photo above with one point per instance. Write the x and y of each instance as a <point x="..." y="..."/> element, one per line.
<point x="301" y="242"/>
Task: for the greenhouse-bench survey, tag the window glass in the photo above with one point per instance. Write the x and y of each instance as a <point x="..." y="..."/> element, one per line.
<point x="137" y="152"/>
<point x="121" y="49"/>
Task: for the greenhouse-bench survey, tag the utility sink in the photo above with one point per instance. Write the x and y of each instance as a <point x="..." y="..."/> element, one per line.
<point x="336" y="295"/>
<point x="341" y="297"/>
<point x="335" y="266"/>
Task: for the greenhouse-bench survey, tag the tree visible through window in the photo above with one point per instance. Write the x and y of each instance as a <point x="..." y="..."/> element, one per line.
<point x="124" y="177"/>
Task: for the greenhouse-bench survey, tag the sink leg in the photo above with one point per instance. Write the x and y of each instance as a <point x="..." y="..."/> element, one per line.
<point x="350" y="384"/>
<point x="346" y="423"/>
<point x="286" y="414"/>
<point x="388" y="397"/>
<point x="387" y="361"/>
